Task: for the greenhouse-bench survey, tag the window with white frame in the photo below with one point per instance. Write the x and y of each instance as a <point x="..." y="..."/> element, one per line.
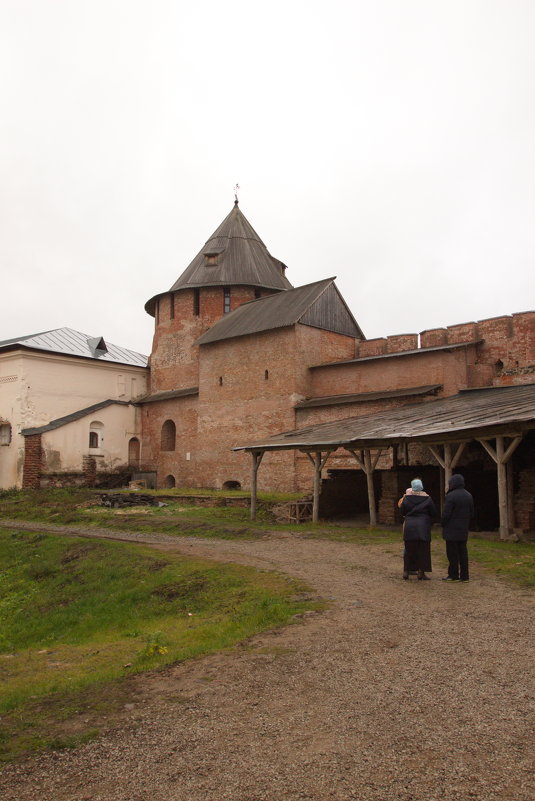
<point x="96" y="431"/>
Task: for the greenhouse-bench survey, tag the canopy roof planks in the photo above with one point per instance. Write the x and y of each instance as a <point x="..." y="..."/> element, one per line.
<point x="445" y="425"/>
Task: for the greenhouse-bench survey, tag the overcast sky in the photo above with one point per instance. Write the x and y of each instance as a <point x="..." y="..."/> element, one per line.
<point x="390" y="143"/>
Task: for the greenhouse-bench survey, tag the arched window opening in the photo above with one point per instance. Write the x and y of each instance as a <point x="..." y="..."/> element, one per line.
<point x="231" y="485"/>
<point x="134" y="448"/>
<point x="196" y="302"/>
<point x="220" y="380"/>
<point x="266" y="375"/>
<point x="5" y="433"/>
<point x="168" y="436"/>
<point x="169" y="482"/>
<point x="96" y="431"/>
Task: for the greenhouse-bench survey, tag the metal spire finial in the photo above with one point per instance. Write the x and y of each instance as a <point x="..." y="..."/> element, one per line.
<point x="236" y="188"/>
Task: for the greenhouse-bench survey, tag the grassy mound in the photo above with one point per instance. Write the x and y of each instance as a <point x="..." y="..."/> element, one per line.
<point x="77" y="616"/>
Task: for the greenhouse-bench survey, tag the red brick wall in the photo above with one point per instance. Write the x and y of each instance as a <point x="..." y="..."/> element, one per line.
<point x="248" y="386"/>
<point x="183" y="412"/>
<point x="451" y="369"/>
<point x="174" y="359"/>
<point x="239" y="404"/>
<point x="33" y="458"/>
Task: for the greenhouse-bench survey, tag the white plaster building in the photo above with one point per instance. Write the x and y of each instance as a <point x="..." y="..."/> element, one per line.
<point x="72" y="392"/>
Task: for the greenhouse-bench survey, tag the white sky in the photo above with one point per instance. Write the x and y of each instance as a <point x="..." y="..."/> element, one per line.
<point x="388" y="142"/>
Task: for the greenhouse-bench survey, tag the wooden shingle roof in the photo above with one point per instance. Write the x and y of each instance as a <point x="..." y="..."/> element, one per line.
<point x="233" y="255"/>
<point x="456" y="418"/>
<point x="319" y="305"/>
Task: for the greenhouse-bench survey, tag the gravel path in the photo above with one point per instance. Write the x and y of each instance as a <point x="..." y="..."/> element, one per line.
<point x="400" y="691"/>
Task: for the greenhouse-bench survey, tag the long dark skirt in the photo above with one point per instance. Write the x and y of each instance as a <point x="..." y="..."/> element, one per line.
<point x="417" y="556"/>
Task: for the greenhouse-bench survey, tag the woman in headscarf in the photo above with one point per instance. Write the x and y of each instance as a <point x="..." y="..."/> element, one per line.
<point x="419" y="512"/>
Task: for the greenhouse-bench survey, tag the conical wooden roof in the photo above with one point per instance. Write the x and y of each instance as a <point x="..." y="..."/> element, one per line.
<point x="233" y="255"/>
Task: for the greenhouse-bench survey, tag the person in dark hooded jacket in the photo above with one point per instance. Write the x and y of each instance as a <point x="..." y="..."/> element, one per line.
<point x="418" y="511"/>
<point x="458" y="509"/>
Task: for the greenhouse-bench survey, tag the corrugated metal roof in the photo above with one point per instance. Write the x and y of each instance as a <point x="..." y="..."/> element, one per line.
<point x="242" y="259"/>
<point x="274" y="311"/>
<point x="363" y="397"/>
<point x="399" y="353"/>
<point x="167" y="394"/>
<point x="70" y="418"/>
<point x="436" y="420"/>
<point x="69" y="342"/>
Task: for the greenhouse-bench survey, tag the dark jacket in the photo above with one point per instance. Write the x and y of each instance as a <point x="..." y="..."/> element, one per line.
<point x="419" y="512"/>
<point x="458" y="509"/>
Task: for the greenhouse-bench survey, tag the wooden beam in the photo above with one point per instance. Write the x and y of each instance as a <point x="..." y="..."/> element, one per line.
<point x="502" y="489"/>
<point x="256" y="458"/>
<point x="368" y="464"/>
<point x="449" y="460"/>
<point x="317" y="484"/>
<point x="371" y="490"/>
<point x="319" y="463"/>
<point x="501" y="456"/>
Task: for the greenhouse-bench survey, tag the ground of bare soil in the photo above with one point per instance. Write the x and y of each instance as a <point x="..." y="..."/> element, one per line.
<point x="399" y="691"/>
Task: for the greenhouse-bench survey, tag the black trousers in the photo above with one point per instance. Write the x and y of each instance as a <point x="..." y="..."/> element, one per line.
<point x="457" y="554"/>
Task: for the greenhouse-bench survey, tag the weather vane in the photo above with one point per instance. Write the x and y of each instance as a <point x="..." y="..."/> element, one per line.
<point x="236" y="189"/>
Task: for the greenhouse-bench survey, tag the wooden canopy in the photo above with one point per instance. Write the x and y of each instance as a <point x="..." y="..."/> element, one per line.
<point x="497" y="417"/>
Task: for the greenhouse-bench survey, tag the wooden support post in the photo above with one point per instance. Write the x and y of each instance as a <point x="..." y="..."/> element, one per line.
<point x="510" y="493"/>
<point x="371" y="490"/>
<point x="502" y="489"/>
<point x="501" y="456"/>
<point x="449" y="460"/>
<point x="256" y="459"/>
<point x="319" y="464"/>
<point x="368" y="464"/>
<point x="317" y="483"/>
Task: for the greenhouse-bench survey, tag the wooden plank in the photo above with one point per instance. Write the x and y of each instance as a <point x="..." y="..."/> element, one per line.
<point x="257" y="457"/>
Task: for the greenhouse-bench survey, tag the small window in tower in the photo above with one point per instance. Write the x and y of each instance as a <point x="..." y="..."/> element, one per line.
<point x="258" y="293"/>
<point x="266" y="375"/>
<point x="157" y="311"/>
<point x="196" y="302"/>
<point x="226" y="299"/>
<point x="220" y="380"/>
<point x="212" y="256"/>
<point x="171" y="306"/>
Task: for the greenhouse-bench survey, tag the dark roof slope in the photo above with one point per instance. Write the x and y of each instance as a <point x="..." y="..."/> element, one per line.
<point x="364" y="397"/>
<point x="319" y="305"/>
<point x="70" y="418"/>
<point x="454" y="418"/>
<point x="401" y="353"/>
<point x="167" y="395"/>
<point x="69" y="342"/>
<point x="240" y="258"/>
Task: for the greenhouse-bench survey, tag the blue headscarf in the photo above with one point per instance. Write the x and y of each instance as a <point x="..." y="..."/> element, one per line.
<point x="416" y="485"/>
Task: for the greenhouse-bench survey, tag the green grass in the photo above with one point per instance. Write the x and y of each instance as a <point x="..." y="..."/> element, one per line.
<point x="77" y="616"/>
<point x="511" y="560"/>
<point x="81" y="507"/>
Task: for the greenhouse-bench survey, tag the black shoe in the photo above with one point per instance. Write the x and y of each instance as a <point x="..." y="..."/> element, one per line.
<point x="448" y="578"/>
<point x="464" y="579"/>
<point x="405" y="576"/>
<point x="423" y="577"/>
